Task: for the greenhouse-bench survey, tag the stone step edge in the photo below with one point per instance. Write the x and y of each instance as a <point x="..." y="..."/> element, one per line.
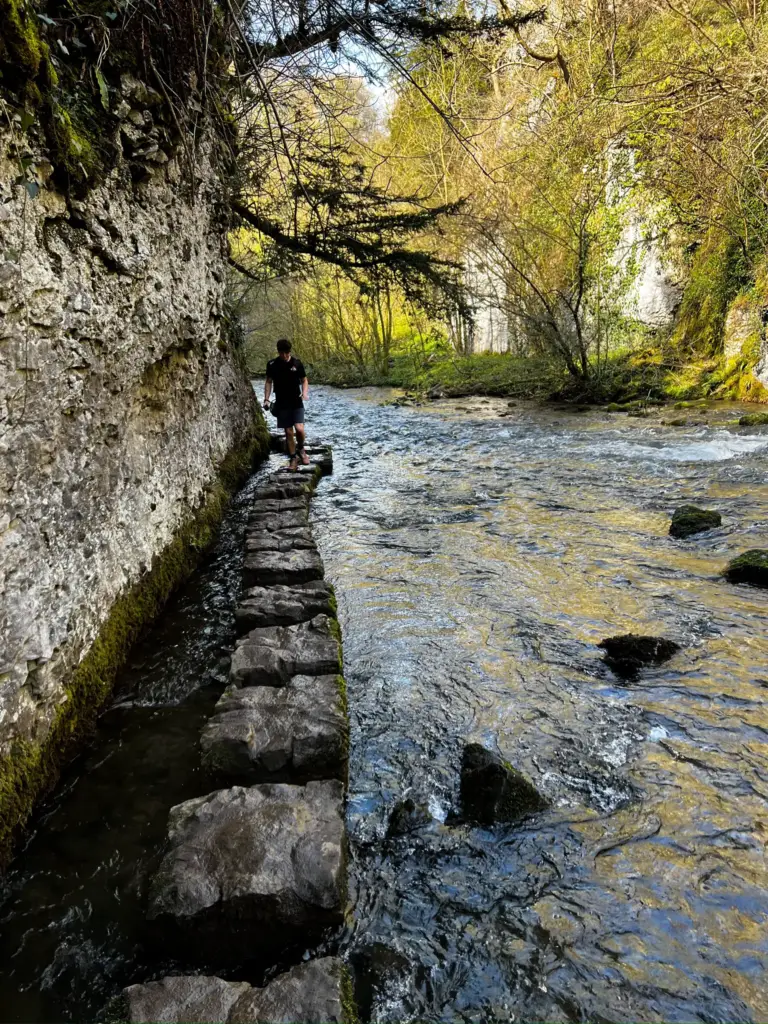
<point x="319" y="991"/>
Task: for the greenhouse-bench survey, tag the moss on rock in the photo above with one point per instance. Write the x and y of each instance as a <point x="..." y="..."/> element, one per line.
<point x="689" y="519"/>
<point x="754" y="419"/>
<point x="30" y="769"/>
<point x="751" y="567"/>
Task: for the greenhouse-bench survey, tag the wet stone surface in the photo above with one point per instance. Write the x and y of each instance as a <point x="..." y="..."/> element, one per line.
<point x="283" y="605"/>
<point x="311" y="993"/>
<point x="295" y="732"/>
<point x="269" y="656"/>
<point x="263" y="568"/>
<point x="249" y="870"/>
<point x="278" y="522"/>
<point x="287" y="540"/>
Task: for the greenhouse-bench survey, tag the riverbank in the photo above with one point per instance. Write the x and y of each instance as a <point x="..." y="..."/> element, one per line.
<point x="653" y="375"/>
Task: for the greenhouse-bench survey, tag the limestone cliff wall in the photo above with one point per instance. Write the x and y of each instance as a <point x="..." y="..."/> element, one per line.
<point x="120" y="401"/>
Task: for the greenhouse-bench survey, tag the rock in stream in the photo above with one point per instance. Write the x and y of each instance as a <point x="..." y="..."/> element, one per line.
<point x="271" y="655"/>
<point x="264" y="733"/>
<point x="251" y="870"/>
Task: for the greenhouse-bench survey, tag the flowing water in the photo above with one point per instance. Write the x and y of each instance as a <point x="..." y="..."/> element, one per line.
<point x="479" y="553"/>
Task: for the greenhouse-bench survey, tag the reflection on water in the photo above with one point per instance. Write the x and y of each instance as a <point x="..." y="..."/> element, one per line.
<point x="478" y="559"/>
<point x="478" y="562"/>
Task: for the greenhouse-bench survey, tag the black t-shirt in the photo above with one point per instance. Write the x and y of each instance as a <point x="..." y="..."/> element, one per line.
<point x="286" y="376"/>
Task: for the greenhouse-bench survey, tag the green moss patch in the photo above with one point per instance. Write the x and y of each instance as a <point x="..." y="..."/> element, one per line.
<point x="30" y="770"/>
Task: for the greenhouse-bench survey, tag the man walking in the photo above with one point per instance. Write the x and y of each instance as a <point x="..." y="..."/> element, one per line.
<point x="286" y="375"/>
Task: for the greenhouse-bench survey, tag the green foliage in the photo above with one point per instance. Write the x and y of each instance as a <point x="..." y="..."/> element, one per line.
<point x="30" y="770"/>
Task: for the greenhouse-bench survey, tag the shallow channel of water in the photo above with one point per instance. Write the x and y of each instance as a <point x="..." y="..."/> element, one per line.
<point x="479" y="554"/>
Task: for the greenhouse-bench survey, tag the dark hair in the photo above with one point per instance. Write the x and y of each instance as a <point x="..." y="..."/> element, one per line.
<point x="283" y="345"/>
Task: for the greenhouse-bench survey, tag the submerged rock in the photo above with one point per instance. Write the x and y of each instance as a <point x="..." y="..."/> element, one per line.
<point x="282" y="605"/>
<point x="492" y="790"/>
<point x="312" y="993"/>
<point x="751" y="567"/>
<point x="270" y="656"/>
<point x="264" y="568"/>
<point x="627" y="654"/>
<point x="299" y="731"/>
<point x="689" y="519"/>
<point x="407" y="815"/>
<point x="248" y="870"/>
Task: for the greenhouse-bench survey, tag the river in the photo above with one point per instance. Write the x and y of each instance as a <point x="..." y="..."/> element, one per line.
<point x="480" y="551"/>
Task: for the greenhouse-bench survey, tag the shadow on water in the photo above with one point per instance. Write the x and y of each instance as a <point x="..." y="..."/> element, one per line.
<point x="479" y="554"/>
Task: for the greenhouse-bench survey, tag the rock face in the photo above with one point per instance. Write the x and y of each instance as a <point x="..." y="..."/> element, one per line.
<point x="312" y="993"/>
<point x="689" y="519"/>
<point x="627" y="654"/>
<point x="264" y="733"/>
<point x="284" y="606"/>
<point x="492" y="790"/>
<point x="751" y="567"/>
<point x="270" y="656"/>
<point x="248" y="870"/>
<point x="122" y="400"/>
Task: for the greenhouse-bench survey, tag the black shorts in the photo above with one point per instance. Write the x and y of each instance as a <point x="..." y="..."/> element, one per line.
<point x="289" y="417"/>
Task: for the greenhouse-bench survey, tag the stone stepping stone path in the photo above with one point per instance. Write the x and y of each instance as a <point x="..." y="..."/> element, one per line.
<point x="270" y="655"/>
<point x="259" y="869"/>
<point x="313" y="993"/>
<point x="283" y="605"/>
<point x="262" y="733"/>
<point x="250" y="869"/>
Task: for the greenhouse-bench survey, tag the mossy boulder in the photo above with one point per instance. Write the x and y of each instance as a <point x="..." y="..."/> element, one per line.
<point x="627" y="654"/>
<point x="754" y="419"/>
<point x="751" y="567"/>
<point x="492" y="790"/>
<point x="690" y="519"/>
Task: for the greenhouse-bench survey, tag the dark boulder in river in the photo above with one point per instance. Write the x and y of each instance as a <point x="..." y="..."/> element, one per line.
<point x="627" y="654"/>
<point x="407" y="815"/>
<point x="492" y="790"/>
<point x="751" y="567"/>
<point x="313" y="993"/>
<point x="689" y="519"/>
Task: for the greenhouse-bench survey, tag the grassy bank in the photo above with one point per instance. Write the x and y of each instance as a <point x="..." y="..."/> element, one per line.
<point x="651" y="375"/>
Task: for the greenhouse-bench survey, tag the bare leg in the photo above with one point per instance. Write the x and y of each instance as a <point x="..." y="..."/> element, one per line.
<point x="300" y="444"/>
<point x="290" y="441"/>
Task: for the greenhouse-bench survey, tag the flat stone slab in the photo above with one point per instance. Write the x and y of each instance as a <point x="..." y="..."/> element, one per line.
<point x="312" y="993"/>
<point x="289" y="540"/>
<point x="263" y="568"/>
<point x="291" y="733"/>
<point x="282" y="605"/>
<point x="261" y="505"/>
<point x="251" y="869"/>
<point x="286" y="486"/>
<point x="276" y="521"/>
<point x="271" y="655"/>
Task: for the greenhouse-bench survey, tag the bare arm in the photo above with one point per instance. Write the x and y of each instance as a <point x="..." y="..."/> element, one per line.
<point x="267" y="392"/>
<point x="305" y="389"/>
